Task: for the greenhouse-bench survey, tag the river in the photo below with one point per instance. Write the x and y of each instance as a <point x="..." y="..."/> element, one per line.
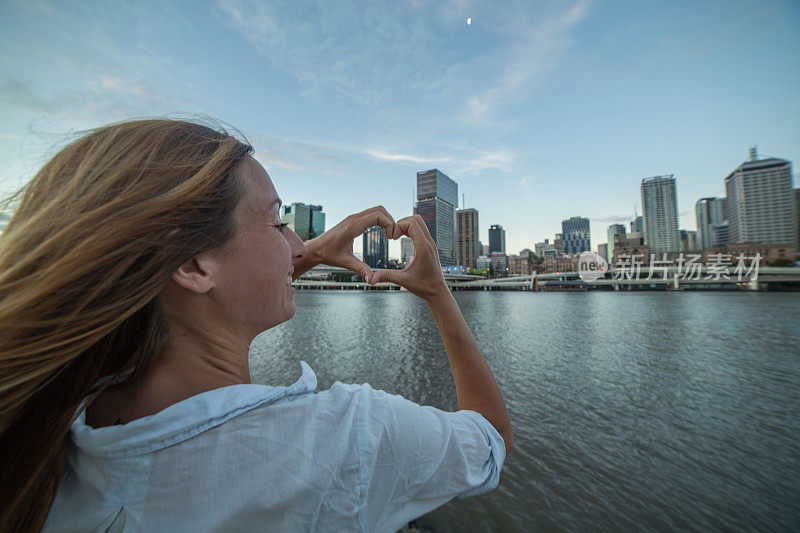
<point x="631" y="410"/>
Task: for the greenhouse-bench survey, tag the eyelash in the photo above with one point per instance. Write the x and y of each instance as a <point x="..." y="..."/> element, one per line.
<point x="281" y="226"/>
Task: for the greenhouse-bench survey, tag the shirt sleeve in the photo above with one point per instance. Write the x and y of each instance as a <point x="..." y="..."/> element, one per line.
<point x="415" y="458"/>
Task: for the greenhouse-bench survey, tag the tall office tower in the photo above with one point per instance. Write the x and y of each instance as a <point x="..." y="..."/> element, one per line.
<point x="602" y="251"/>
<point x="437" y="201"/>
<point x="497" y="239"/>
<point x="375" y="248"/>
<point x="761" y="205"/>
<point x="720" y="234"/>
<point x="406" y="251"/>
<point x="467" y="224"/>
<point x="707" y="212"/>
<point x="637" y="225"/>
<point x="797" y="207"/>
<point x="689" y="241"/>
<point x="576" y="237"/>
<point x="660" y="214"/>
<point x="613" y="229"/>
<point x="308" y="221"/>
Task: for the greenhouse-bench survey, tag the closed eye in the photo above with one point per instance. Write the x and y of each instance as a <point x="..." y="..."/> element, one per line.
<point x="281" y="226"/>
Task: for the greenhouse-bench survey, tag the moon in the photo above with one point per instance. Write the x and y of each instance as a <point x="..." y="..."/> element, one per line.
<point x="469" y="21"/>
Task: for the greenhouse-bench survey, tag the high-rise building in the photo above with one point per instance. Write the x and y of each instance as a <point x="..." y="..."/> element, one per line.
<point x="375" y="248"/>
<point x="637" y="225"/>
<point x="761" y="204"/>
<point x="613" y="229"/>
<point x="720" y="234"/>
<point x="707" y="212"/>
<point x="406" y="251"/>
<point x="689" y="241"/>
<point x="660" y="214"/>
<point x="602" y="251"/>
<point x="797" y="208"/>
<point x="437" y="201"/>
<point x="467" y="231"/>
<point x="497" y="239"/>
<point x="576" y="235"/>
<point x="308" y="221"/>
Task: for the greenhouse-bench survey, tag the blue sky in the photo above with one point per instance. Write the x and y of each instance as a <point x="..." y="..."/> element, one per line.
<point x="539" y="110"/>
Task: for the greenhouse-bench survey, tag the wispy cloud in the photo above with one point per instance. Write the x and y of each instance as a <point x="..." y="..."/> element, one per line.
<point x="293" y="155"/>
<point x="620" y="219"/>
<point x="407" y="158"/>
<point x="463" y="162"/>
<point x="9" y="136"/>
<point x="536" y="53"/>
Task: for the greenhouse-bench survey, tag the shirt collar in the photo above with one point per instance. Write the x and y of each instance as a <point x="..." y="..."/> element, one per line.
<point x="184" y="419"/>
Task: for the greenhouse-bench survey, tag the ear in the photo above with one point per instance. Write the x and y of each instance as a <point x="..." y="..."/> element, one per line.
<point x="197" y="274"/>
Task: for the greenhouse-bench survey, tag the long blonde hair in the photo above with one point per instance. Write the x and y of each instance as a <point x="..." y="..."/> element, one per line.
<point x="96" y="235"/>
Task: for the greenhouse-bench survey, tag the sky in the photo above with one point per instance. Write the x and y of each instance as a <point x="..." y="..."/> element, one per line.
<point x="540" y="111"/>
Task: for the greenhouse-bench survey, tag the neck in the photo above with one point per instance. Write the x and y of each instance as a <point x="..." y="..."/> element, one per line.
<point x="191" y="364"/>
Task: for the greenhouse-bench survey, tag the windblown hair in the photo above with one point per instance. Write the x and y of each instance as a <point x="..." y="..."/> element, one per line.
<point x="97" y="234"/>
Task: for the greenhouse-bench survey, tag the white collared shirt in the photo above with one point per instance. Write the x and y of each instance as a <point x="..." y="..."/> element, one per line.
<point x="257" y="457"/>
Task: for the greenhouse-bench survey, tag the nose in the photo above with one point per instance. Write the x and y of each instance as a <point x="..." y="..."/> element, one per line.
<point x="297" y="246"/>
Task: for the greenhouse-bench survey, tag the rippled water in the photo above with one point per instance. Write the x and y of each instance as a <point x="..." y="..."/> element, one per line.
<point x="631" y="411"/>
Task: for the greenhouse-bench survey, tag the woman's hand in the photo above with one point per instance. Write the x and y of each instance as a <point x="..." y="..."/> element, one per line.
<point x="335" y="246"/>
<point x="423" y="277"/>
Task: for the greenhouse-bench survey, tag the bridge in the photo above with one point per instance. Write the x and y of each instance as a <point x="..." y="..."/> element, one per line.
<point x="612" y="279"/>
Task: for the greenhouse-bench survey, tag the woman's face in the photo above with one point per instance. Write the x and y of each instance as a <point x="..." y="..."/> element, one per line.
<point x="257" y="263"/>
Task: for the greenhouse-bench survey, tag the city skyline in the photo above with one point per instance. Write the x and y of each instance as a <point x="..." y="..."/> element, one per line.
<point x="539" y="112"/>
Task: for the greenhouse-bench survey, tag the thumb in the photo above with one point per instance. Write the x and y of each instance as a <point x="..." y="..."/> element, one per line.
<point x="391" y="276"/>
<point x="359" y="267"/>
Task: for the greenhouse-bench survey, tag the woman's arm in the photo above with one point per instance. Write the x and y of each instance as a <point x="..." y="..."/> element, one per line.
<point x="476" y="387"/>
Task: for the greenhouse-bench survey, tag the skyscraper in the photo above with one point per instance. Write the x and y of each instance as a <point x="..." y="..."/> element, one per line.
<point x="375" y="248"/>
<point x="468" y="243"/>
<point x="406" y="251"/>
<point x="707" y="212"/>
<point x="761" y="206"/>
<point x="637" y="225"/>
<point x="660" y="214"/>
<point x="613" y="229"/>
<point x="308" y="221"/>
<point x="437" y="200"/>
<point x="576" y="237"/>
<point x="497" y="239"/>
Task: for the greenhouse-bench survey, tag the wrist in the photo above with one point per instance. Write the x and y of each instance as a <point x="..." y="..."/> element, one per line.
<point x="439" y="298"/>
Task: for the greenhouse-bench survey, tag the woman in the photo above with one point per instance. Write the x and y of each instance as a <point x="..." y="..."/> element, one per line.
<point x="141" y="262"/>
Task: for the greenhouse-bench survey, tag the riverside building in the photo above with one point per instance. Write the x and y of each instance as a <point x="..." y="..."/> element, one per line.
<point x="660" y="214"/>
<point x="497" y="239"/>
<point x="375" y="248"/>
<point x="406" y="251"/>
<point x="613" y="229"/>
<point x="708" y="212"/>
<point x="576" y="236"/>
<point x="308" y="221"/>
<point x="761" y="204"/>
<point x="469" y="247"/>
<point x="437" y="201"/>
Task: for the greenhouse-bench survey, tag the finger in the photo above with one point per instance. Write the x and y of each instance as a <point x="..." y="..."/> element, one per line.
<point x="391" y="276"/>
<point x="374" y="216"/>
<point x="359" y="267"/>
<point x="416" y="229"/>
